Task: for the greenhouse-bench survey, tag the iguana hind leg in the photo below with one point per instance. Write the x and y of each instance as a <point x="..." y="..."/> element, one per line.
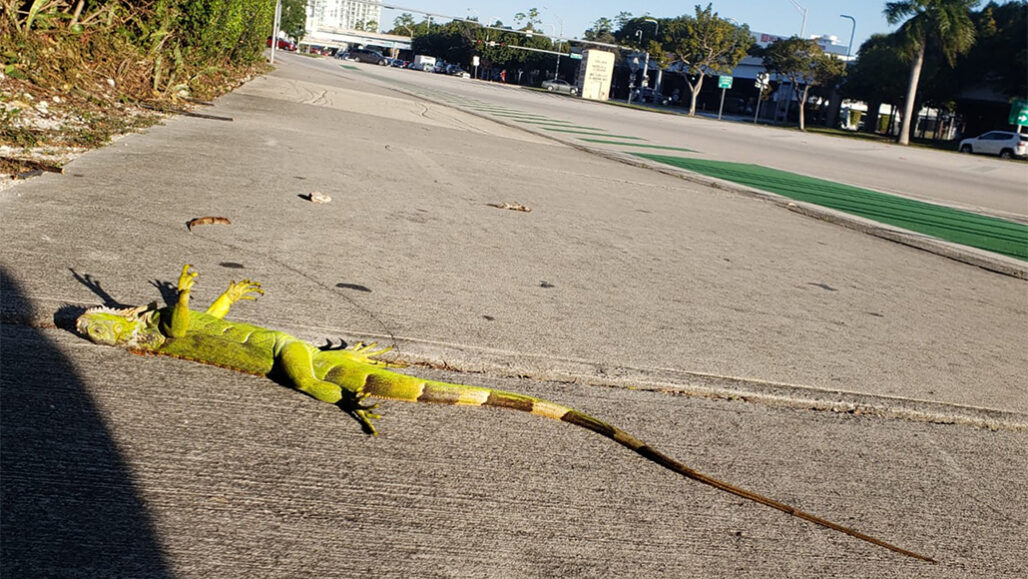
<point x="298" y="363"/>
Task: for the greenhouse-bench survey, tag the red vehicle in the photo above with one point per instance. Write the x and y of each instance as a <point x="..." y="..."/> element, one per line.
<point x="283" y="44"/>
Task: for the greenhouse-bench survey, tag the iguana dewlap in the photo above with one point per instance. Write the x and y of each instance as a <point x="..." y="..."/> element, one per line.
<point x="346" y="377"/>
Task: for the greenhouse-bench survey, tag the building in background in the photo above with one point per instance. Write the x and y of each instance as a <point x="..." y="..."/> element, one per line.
<point x="344" y="14"/>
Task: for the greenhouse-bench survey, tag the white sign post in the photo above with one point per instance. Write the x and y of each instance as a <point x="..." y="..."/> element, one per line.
<point x="724" y="82"/>
<point x="761" y="84"/>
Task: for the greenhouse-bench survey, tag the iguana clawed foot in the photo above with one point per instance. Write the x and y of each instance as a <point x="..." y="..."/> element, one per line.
<point x="352" y="402"/>
<point x="187" y="280"/>
<point x="243" y="290"/>
<point x="365" y="354"/>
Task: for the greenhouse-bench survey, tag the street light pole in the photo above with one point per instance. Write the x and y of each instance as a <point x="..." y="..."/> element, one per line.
<point x="274" y="30"/>
<point x="803" y="11"/>
<point x="646" y="64"/>
<point x="853" y="30"/>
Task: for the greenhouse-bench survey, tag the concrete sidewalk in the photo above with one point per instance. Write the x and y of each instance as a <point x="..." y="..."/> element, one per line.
<point x="619" y="276"/>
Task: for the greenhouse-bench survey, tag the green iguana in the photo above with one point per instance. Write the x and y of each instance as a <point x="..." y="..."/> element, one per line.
<point x="347" y="377"/>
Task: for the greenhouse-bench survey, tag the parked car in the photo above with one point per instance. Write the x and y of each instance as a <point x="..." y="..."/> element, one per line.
<point x="283" y="44"/>
<point x="368" y="56"/>
<point x="557" y="85"/>
<point x="456" y="70"/>
<point x="1003" y="143"/>
<point x="648" y="95"/>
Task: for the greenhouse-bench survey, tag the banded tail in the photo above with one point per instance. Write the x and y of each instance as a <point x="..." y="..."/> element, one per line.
<point x="390" y="385"/>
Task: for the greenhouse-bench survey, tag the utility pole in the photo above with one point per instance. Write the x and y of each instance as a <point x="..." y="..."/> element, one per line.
<point x="275" y="29"/>
<point x="646" y="64"/>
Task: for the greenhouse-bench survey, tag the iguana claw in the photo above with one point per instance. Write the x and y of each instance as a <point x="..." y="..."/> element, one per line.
<point x="187" y="280"/>
<point x="365" y="353"/>
<point x="362" y="412"/>
<point x="244" y="290"/>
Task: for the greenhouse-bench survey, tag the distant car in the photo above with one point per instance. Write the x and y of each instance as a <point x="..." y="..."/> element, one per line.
<point x="456" y="70"/>
<point x="1006" y="144"/>
<point x="648" y="95"/>
<point x="283" y="44"/>
<point x="368" y="56"/>
<point x="557" y="85"/>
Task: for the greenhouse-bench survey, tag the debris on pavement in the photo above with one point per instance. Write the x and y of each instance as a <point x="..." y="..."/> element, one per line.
<point x="209" y="220"/>
<point x="511" y="206"/>
<point x="317" y="197"/>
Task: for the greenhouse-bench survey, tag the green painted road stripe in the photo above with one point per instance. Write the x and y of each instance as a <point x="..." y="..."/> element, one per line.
<point x="349" y="67"/>
<point x="561" y="124"/>
<point x="663" y="147"/>
<point x="518" y="116"/>
<point x="963" y="227"/>
<point x="559" y="130"/>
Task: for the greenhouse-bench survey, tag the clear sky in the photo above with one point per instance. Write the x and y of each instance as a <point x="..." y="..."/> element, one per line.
<point x="778" y="17"/>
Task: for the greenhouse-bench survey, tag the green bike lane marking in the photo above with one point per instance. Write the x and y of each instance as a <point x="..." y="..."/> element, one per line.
<point x="644" y="145"/>
<point x="608" y="135"/>
<point x="963" y="227"/>
<point x="560" y="125"/>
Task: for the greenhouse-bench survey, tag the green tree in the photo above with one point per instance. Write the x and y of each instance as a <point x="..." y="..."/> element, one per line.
<point x="294" y="18"/>
<point x="803" y="63"/>
<point x="601" y="31"/>
<point x="705" y="44"/>
<point x="876" y="76"/>
<point x="403" y="25"/>
<point x="999" y="58"/>
<point x="944" y="24"/>
<point x="530" y="19"/>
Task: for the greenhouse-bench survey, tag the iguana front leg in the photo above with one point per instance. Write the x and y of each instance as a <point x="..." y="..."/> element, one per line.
<point x="244" y="290"/>
<point x="296" y="359"/>
<point x="180" y="315"/>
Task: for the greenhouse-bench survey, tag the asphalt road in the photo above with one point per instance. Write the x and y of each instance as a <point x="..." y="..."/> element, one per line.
<point x="868" y="382"/>
<point x="974" y="182"/>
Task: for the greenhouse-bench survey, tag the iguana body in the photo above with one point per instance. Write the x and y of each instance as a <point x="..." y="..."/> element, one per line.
<point x="346" y="377"/>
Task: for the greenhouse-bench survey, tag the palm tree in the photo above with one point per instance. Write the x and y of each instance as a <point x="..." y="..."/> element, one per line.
<point x="946" y="24"/>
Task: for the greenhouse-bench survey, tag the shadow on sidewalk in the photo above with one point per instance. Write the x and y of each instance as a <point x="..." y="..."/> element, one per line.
<point x="68" y="507"/>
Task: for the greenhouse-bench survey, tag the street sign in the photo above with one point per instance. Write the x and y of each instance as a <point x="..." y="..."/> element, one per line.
<point x="575" y="56"/>
<point x="724" y="81"/>
<point x="474" y="60"/>
<point x="1019" y="112"/>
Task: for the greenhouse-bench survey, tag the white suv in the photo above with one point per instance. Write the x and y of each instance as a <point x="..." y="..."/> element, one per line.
<point x="1002" y="143"/>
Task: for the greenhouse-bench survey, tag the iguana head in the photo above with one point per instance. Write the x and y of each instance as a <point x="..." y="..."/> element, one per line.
<point x="126" y="327"/>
